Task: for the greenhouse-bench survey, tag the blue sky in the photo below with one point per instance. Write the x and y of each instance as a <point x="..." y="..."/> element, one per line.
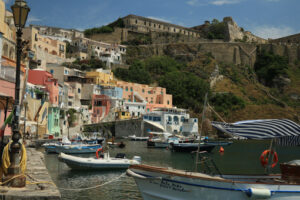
<point x="265" y="18"/>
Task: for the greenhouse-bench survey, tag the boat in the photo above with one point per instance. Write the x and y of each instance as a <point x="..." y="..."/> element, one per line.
<point x="66" y="146"/>
<point x="77" y="148"/>
<point x="158" y="139"/>
<point x="166" y="183"/>
<point x="105" y="163"/>
<point x="218" y="143"/>
<point x="137" y="138"/>
<point x="190" y="147"/>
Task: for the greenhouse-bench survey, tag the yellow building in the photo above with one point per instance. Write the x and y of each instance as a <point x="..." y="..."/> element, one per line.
<point x="101" y="77"/>
<point x="121" y="115"/>
<point x="9" y="32"/>
<point x="43" y="43"/>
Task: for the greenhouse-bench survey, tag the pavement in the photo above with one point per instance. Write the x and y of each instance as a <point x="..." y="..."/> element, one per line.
<point x="40" y="185"/>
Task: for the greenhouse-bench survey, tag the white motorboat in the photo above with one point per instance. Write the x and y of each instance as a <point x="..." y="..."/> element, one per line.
<point x="156" y="183"/>
<point x="105" y="163"/>
<point x="137" y="138"/>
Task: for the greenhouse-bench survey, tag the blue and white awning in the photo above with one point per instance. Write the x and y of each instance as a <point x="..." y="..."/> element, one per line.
<point x="261" y="129"/>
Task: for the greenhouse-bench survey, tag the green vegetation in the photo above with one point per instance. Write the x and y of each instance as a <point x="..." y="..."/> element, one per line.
<point x="86" y="65"/>
<point x="269" y="66"/>
<point x="188" y="90"/>
<point x="216" y="30"/>
<point x="136" y="73"/>
<point x="71" y="116"/>
<point x="104" y="29"/>
<point x="227" y="102"/>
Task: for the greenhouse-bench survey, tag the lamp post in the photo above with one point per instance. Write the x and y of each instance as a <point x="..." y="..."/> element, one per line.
<point x="20" y="12"/>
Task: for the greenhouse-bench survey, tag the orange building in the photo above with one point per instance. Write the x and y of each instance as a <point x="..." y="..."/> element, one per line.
<point x="156" y="97"/>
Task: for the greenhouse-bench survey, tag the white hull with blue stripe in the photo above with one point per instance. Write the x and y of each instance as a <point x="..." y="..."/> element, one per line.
<point x="157" y="183"/>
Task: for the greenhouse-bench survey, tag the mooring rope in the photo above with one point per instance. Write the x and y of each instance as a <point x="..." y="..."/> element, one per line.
<point x="93" y="187"/>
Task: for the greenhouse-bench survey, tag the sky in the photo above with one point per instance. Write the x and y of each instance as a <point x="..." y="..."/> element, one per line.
<point x="264" y="18"/>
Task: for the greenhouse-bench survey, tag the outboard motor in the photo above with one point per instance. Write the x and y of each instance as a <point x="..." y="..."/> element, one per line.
<point x="137" y="158"/>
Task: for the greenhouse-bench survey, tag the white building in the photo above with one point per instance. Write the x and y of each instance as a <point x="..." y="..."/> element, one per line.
<point x="173" y="120"/>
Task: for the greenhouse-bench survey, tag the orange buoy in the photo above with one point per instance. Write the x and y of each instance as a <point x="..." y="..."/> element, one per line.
<point x="221" y="150"/>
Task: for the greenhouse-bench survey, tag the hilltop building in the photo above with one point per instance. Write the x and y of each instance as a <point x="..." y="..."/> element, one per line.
<point x="145" y="25"/>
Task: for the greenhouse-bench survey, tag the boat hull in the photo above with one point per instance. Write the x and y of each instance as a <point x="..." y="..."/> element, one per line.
<point x="189" y="147"/>
<point x="78" y="163"/>
<point x="157" y="184"/>
<point x="77" y="149"/>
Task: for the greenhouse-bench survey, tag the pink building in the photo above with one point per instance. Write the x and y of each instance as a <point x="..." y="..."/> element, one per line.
<point x="156" y="97"/>
<point x="44" y="78"/>
<point x="7" y="88"/>
<point x="101" y="106"/>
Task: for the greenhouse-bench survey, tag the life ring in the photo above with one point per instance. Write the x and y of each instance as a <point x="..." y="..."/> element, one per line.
<point x="97" y="152"/>
<point x="264" y="158"/>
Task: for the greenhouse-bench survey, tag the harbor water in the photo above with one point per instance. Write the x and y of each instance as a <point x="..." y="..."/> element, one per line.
<point x="240" y="157"/>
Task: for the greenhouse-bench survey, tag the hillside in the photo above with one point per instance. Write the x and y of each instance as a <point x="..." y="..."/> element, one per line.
<point x="236" y="92"/>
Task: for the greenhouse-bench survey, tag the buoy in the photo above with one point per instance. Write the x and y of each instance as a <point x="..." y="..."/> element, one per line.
<point x="221" y="150"/>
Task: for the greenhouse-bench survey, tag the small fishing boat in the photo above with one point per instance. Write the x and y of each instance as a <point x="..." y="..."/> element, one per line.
<point x="189" y="147"/>
<point x="157" y="183"/>
<point x="105" y="163"/>
<point x="158" y="139"/>
<point x="137" y="138"/>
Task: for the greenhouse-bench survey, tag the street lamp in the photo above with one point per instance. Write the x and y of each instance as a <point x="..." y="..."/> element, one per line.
<point x="20" y="12"/>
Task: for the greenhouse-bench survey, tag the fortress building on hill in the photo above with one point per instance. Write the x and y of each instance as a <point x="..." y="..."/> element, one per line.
<point x="145" y="25"/>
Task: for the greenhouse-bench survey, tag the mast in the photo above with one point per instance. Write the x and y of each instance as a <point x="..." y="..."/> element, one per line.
<point x="200" y="134"/>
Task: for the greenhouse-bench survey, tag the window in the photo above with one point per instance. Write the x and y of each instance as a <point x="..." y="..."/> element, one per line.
<point x="78" y="90"/>
<point x="145" y="117"/>
<point x="66" y="71"/>
<point x="175" y="118"/>
<point x="136" y="21"/>
<point x="168" y="102"/>
<point x="148" y="110"/>
<point x="150" y="118"/>
<point x="131" y="89"/>
<point x="127" y="107"/>
<point x="174" y="30"/>
<point x="126" y="88"/>
<point x="139" y="107"/>
<point x="182" y="119"/>
<point x="169" y="118"/>
<point x="123" y="113"/>
<point x="143" y="91"/>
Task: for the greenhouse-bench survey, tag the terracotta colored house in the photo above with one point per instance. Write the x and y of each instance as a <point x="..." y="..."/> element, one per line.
<point x="101" y="106"/>
<point x="44" y="78"/>
<point x="156" y="97"/>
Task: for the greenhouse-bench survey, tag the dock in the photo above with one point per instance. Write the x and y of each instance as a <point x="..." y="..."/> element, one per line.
<point x="39" y="184"/>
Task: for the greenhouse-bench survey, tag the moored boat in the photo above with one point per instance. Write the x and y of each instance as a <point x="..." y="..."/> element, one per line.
<point x="189" y="147"/>
<point x="105" y="163"/>
<point x="165" y="183"/>
<point x="137" y="138"/>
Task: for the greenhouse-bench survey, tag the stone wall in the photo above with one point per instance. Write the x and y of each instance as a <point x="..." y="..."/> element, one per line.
<point x="224" y="52"/>
<point x="119" y="35"/>
<point x="291" y="39"/>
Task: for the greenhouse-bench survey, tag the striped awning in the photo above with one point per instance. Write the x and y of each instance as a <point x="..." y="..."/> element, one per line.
<point x="261" y="129"/>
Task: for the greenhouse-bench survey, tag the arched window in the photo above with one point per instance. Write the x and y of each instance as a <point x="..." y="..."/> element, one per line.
<point x="5" y="50"/>
<point x="175" y="118"/>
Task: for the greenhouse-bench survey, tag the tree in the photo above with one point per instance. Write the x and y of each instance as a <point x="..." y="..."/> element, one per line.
<point x="269" y="66"/>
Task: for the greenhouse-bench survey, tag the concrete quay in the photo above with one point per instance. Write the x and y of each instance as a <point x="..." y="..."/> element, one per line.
<point x="39" y="184"/>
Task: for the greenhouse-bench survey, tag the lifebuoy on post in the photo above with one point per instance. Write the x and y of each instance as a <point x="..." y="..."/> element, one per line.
<point x="97" y="152"/>
<point x="264" y="158"/>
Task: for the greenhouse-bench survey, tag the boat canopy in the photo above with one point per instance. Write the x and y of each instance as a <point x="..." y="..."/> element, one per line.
<point x="287" y="131"/>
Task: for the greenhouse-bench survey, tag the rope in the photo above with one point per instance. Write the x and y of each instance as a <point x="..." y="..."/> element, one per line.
<point x="6" y="160"/>
<point x="3" y="183"/>
<point x="93" y="187"/>
<point x="216" y="113"/>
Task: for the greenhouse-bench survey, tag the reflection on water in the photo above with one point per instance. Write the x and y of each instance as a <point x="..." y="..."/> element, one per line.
<point x="240" y="157"/>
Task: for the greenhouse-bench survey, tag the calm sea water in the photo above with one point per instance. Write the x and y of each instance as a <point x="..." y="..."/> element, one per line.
<point x="240" y="157"/>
